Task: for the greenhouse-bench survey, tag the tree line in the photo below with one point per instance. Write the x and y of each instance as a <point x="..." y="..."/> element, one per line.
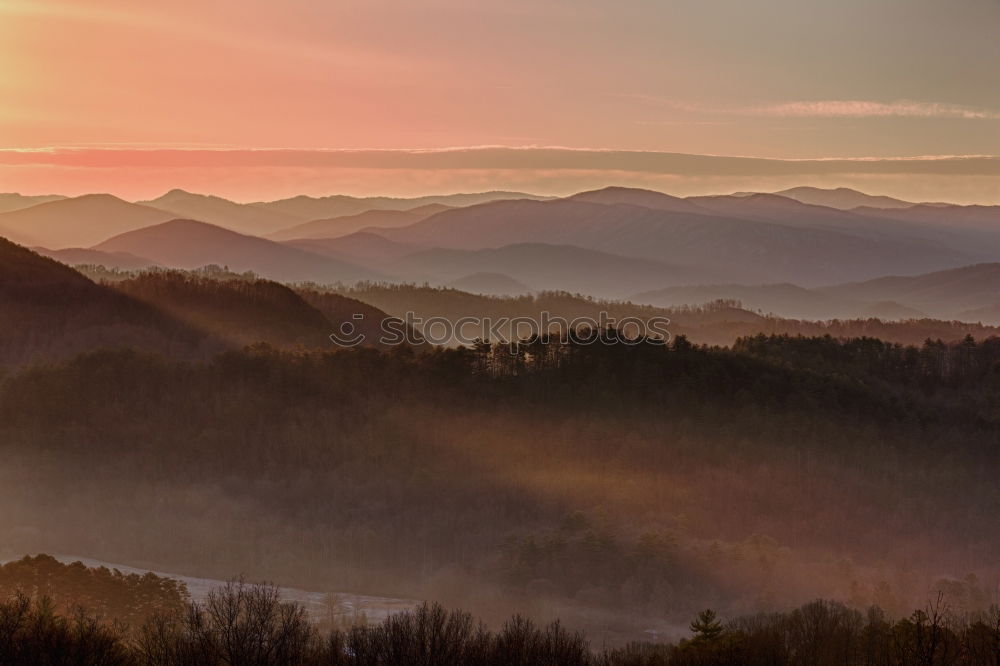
<point x="241" y="624"/>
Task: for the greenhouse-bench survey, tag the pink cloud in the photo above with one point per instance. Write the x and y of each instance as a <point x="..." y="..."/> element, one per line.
<point x="869" y="109"/>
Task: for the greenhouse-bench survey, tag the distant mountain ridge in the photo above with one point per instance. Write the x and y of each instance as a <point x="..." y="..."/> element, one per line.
<point x="490" y="284"/>
<point x="750" y="239"/>
<point x="362" y="247"/>
<point x="77" y="256"/>
<point x="544" y="266"/>
<point x="192" y="244"/>
<point x="78" y="221"/>
<point x="843" y="198"/>
<point x="944" y="217"/>
<point x="969" y="293"/>
<point x="638" y="197"/>
<point x="942" y="293"/>
<point x="338" y="205"/>
<point x="336" y="227"/>
<point x="787" y="300"/>
<point x="11" y="201"/>
<point x="750" y="247"/>
<point x="220" y="212"/>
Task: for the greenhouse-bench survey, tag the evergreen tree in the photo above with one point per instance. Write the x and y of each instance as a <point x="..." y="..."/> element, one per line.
<point x="706" y="626"/>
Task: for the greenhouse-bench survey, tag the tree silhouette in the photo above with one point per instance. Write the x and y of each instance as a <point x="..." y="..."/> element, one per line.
<point x="706" y="626"/>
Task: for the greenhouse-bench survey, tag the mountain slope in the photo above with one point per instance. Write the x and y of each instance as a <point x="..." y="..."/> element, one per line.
<point x="944" y="216"/>
<point x="77" y="222"/>
<point x="190" y="244"/>
<point x="489" y="284"/>
<point x="360" y="247"/>
<point x="546" y="267"/>
<point x="786" y="300"/>
<point x="843" y="198"/>
<point x="638" y="197"/>
<point x="988" y="315"/>
<point x="913" y="237"/>
<point x="314" y="208"/>
<point x="221" y="212"/>
<point x="970" y="293"/>
<point x="51" y="311"/>
<point x="77" y="256"/>
<point x="916" y="238"/>
<point x="941" y="293"/>
<point x="10" y="201"/>
<point x="734" y="249"/>
<point x="341" y="226"/>
<point x="777" y="209"/>
<point x="241" y="312"/>
<point x="352" y="317"/>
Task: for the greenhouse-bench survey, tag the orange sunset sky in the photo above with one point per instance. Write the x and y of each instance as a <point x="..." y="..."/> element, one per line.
<point x="259" y="99"/>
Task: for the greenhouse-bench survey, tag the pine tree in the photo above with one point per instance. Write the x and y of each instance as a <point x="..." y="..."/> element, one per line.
<point x="706" y="626"/>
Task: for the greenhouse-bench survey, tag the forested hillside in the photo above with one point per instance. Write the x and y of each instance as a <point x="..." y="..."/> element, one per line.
<point x="109" y="594"/>
<point x="246" y="310"/>
<point x="51" y="311"/>
<point x="616" y="486"/>
<point x="719" y="322"/>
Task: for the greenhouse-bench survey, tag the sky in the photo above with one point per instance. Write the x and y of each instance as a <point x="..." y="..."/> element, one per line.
<point x="134" y="97"/>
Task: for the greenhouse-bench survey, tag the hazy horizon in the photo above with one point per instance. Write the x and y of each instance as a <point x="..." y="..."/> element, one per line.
<point x="262" y="175"/>
<point x="798" y="84"/>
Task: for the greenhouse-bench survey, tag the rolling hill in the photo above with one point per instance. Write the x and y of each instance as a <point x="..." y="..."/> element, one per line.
<point x="737" y="249"/>
<point x="243" y="312"/>
<point x="360" y="317"/>
<point x="545" y="267"/>
<point x="51" y="311"/>
<point x="944" y="216"/>
<point x="190" y="244"/>
<point x="946" y="294"/>
<point x="714" y="323"/>
<point x="785" y="300"/>
<point x="843" y="198"/>
<point x="10" y="201"/>
<point x="314" y="208"/>
<point x="919" y="239"/>
<point x="638" y="197"/>
<point x="969" y="293"/>
<point x="78" y="222"/>
<point x="221" y="212"/>
<point x="490" y="284"/>
<point x="79" y="256"/>
<point x="360" y="247"/>
<point x="988" y="315"/>
<point x="348" y="224"/>
<point x="778" y="209"/>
